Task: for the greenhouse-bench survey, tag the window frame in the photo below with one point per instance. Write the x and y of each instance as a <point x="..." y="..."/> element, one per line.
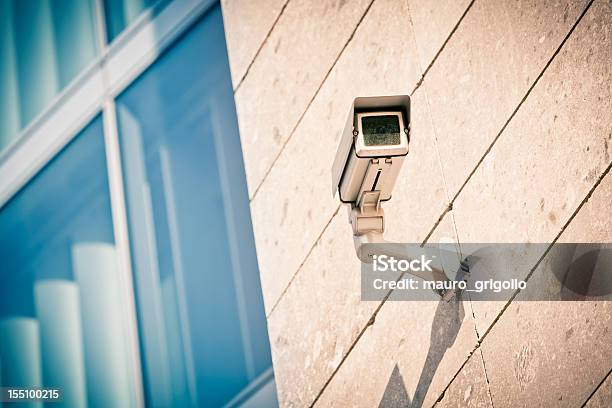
<point x="114" y="69"/>
<point x="92" y="92"/>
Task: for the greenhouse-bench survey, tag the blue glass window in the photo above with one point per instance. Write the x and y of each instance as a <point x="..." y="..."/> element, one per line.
<point x="202" y="324"/>
<point x="62" y="316"/>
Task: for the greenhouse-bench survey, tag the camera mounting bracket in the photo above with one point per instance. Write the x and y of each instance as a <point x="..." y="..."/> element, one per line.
<point x="369" y="216"/>
<point x="368" y="223"/>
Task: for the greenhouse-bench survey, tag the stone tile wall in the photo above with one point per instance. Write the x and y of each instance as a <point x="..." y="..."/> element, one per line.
<point x="511" y="142"/>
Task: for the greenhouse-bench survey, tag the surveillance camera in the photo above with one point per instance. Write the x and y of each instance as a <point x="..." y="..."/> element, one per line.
<point x="372" y="149"/>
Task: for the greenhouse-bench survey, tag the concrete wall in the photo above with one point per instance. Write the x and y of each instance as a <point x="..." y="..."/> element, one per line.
<point x="511" y="142"/>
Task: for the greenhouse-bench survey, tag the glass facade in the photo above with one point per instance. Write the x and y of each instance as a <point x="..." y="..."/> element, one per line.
<point x="129" y="274"/>
<point x="201" y="314"/>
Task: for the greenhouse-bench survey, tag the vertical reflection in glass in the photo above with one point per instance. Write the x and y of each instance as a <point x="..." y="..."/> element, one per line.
<point x="145" y="259"/>
<point x="201" y="316"/>
<point x="9" y="95"/>
<point x="97" y="275"/>
<point x="73" y="25"/>
<point x="57" y="308"/>
<point x="36" y="56"/>
<point x="121" y="13"/>
<point x="20" y="353"/>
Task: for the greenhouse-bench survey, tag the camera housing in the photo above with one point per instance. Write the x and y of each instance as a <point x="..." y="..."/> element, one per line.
<point x="372" y="149"/>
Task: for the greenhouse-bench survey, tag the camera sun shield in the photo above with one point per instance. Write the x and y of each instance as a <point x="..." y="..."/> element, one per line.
<point x="372" y="148"/>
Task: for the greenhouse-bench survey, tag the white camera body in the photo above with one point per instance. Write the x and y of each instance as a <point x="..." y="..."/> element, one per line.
<point x="372" y="148"/>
